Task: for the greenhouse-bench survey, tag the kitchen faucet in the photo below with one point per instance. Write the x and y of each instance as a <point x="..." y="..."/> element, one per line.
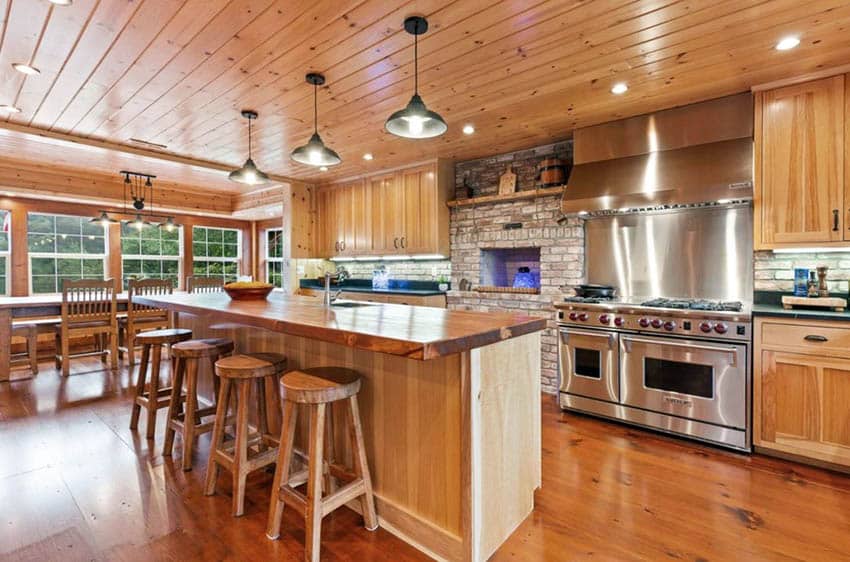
<point x="329" y="299"/>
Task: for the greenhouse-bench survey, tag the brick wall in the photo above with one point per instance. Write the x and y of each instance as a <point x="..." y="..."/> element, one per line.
<point x="775" y="272"/>
<point x="561" y="246"/>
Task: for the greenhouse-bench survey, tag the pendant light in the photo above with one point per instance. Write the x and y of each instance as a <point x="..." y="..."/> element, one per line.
<point x="416" y="121"/>
<point x="315" y="153"/>
<point x="169" y="224"/>
<point x="249" y="173"/>
<point x="103" y="219"/>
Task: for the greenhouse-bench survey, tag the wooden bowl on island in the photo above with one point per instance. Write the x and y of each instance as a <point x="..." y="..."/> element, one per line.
<point x="248" y="290"/>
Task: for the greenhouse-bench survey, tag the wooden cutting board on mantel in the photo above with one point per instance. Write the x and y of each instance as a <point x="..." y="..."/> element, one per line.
<point x="507" y="182"/>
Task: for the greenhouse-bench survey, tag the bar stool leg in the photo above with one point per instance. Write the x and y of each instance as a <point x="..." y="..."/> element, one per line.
<point x="217" y="437"/>
<point x="330" y="452"/>
<point x="313" y="514"/>
<point x="153" y="395"/>
<point x="190" y="418"/>
<point x="361" y="465"/>
<point x="173" y="409"/>
<point x="284" y="465"/>
<point x="240" y="450"/>
<point x="140" y="387"/>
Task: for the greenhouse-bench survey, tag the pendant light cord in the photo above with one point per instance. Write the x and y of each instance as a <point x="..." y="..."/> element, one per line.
<point x="249" y="137"/>
<point x="315" y="108"/>
<point x="416" y="64"/>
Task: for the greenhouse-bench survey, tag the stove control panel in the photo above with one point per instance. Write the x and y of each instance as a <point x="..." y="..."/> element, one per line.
<point x="646" y="321"/>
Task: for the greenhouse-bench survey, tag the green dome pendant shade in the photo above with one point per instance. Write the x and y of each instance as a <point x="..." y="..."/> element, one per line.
<point x="416" y="121"/>
<point x="249" y="174"/>
<point x="315" y="153"/>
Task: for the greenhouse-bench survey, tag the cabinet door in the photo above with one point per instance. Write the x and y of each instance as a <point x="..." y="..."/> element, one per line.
<point x="802" y="163"/>
<point x="420" y="210"/>
<point x="345" y="219"/>
<point x="326" y="225"/>
<point x="803" y="408"/>
<point x="394" y="215"/>
<point x="360" y="243"/>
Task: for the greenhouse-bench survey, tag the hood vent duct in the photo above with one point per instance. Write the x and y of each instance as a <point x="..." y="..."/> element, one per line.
<point x="688" y="155"/>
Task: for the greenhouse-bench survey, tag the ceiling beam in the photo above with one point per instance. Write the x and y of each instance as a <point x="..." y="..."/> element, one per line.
<point x="68" y="139"/>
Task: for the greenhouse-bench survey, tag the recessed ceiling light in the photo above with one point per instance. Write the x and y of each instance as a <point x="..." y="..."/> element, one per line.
<point x="787" y="43"/>
<point x="619" y="88"/>
<point x="6" y="108"/>
<point x="368" y="156"/>
<point x="25" y="68"/>
<point x="61" y="2"/>
<point x="323" y="169"/>
<point x="468" y="129"/>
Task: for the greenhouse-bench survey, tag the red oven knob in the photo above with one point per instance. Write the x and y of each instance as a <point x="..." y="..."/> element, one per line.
<point x="656" y="323"/>
<point x="644" y="322"/>
<point x="619" y="322"/>
<point x="669" y="325"/>
<point x="604" y="318"/>
<point x="573" y="316"/>
<point x="720" y="328"/>
<point x="583" y="317"/>
<point x="705" y="327"/>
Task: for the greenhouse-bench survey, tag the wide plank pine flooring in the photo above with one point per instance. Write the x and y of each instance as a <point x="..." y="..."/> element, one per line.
<point x="77" y="484"/>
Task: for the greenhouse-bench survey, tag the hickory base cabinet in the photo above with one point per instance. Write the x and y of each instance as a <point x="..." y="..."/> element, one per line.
<point x="400" y="212"/>
<point x="801" y="168"/>
<point x="801" y="393"/>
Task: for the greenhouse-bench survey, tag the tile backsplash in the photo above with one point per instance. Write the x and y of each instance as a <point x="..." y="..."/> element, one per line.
<point x="413" y="270"/>
<point x="775" y="272"/>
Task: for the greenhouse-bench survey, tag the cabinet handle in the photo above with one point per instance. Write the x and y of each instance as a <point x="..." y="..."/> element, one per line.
<point x="342" y="246"/>
<point x="813" y="337"/>
<point x="835" y="220"/>
<point x="404" y="242"/>
<point x="395" y="242"/>
<point x="336" y="245"/>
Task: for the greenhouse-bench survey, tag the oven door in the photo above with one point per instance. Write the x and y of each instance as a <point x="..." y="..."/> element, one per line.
<point x="590" y="363"/>
<point x="700" y="380"/>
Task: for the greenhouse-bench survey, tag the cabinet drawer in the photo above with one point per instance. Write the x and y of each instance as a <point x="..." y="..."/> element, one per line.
<point x="810" y="337"/>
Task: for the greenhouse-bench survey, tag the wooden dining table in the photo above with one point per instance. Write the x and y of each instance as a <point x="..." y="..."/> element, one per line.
<point x="12" y="308"/>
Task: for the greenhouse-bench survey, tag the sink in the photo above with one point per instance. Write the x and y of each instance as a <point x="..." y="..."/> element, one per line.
<point x="352" y="304"/>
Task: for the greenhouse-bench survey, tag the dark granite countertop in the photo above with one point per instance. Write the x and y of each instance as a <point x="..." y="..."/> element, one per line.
<point x="396" y="287"/>
<point x="769" y="303"/>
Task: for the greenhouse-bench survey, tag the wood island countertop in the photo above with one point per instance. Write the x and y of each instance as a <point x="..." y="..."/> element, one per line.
<point x="411" y="331"/>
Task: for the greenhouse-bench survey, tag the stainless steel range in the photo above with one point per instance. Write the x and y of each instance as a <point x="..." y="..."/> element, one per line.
<point x="680" y="366"/>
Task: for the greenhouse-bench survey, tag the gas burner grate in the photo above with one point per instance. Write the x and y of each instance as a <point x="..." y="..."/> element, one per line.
<point x="695" y="304"/>
<point x="588" y="300"/>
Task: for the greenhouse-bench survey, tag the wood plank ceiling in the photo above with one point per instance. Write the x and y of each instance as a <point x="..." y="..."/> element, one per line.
<point x="177" y="72"/>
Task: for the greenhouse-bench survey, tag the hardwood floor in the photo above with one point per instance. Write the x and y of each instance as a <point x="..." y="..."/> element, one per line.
<point x="76" y="484"/>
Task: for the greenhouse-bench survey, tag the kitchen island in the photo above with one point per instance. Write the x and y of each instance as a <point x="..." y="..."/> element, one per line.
<point x="450" y="404"/>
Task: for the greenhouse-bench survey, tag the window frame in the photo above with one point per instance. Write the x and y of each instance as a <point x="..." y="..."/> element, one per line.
<point x="268" y="259"/>
<point x="6" y="255"/>
<point x="218" y="259"/>
<point x="56" y="255"/>
<point x="181" y="250"/>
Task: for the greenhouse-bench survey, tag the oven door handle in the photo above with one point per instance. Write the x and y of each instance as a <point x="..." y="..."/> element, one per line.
<point x="713" y="348"/>
<point x="610" y="336"/>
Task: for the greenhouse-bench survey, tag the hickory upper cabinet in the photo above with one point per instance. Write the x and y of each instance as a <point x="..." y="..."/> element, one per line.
<point x="800" y="188"/>
<point x="399" y="212"/>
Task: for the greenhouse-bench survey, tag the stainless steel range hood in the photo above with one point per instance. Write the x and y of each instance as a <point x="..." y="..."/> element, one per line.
<point x="693" y="154"/>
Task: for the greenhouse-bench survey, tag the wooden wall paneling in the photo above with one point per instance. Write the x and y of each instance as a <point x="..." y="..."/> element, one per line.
<point x="846" y="210"/>
<point x="19" y="249"/>
<point x="20" y="41"/>
<point x="759" y="242"/>
<point x="114" y="267"/>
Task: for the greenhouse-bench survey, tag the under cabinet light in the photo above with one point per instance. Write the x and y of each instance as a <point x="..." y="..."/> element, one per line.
<point x="812" y="250"/>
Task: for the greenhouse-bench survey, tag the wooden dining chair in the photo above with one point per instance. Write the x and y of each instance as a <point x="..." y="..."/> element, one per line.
<point x="195" y="284"/>
<point x="89" y="308"/>
<point x="139" y="317"/>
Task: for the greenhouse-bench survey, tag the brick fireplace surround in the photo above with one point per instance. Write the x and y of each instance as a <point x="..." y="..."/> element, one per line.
<point x="477" y="228"/>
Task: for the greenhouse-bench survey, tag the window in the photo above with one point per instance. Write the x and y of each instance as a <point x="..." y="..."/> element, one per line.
<point x="4" y="252"/>
<point x="150" y="252"/>
<point x="217" y="252"/>
<point x="64" y="247"/>
<point x="274" y="256"/>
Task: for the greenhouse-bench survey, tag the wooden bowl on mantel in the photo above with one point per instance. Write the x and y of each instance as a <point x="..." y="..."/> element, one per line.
<point x="248" y="291"/>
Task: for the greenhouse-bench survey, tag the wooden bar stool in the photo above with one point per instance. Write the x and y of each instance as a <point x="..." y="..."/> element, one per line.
<point x="30" y="333"/>
<point x="189" y="421"/>
<point x="240" y="371"/>
<point x="154" y="397"/>
<point x="317" y="388"/>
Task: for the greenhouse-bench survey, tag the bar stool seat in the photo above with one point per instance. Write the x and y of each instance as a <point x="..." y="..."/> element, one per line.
<point x="154" y="397"/>
<point x="237" y="456"/>
<point x="190" y="423"/>
<point x="316" y="388"/>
